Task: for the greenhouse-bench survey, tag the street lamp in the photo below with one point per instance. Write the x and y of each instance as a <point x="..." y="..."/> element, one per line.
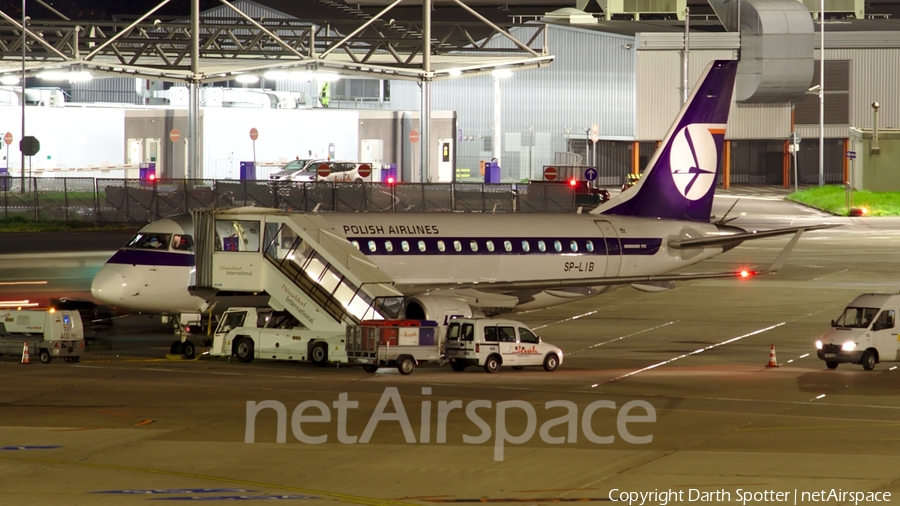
<point x="22" y="159"/>
<point x="822" y="93"/>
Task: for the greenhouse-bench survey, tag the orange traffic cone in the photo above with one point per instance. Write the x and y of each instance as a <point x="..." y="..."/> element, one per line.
<point x="25" y="358"/>
<point x="772" y="361"/>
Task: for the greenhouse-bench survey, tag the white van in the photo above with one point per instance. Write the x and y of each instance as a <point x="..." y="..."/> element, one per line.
<point x="865" y="333"/>
<point x="491" y="343"/>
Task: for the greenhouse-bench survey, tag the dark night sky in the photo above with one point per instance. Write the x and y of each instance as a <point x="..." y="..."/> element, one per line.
<point x="99" y="9"/>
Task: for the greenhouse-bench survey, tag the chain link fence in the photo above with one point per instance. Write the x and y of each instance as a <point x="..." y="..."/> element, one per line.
<point x="89" y="200"/>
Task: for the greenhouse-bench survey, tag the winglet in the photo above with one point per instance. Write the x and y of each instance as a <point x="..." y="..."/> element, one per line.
<point x="782" y="257"/>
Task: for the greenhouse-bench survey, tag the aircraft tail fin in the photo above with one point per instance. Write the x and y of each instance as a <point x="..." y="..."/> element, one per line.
<point x="680" y="180"/>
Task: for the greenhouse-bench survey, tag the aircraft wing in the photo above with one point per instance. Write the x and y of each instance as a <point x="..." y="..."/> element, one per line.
<point x="551" y="284"/>
<point x="733" y="240"/>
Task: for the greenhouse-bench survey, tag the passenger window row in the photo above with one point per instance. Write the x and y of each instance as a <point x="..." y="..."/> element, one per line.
<point x="468" y="246"/>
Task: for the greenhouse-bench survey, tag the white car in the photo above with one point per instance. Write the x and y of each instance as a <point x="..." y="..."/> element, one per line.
<point x="308" y="170"/>
<point x="492" y="343"/>
<point x="297" y="170"/>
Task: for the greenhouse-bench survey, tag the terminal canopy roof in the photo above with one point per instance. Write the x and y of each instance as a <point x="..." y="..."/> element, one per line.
<point x="153" y="47"/>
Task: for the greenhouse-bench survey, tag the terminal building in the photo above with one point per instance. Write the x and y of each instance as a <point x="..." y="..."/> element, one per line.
<point x="611" y="91"/>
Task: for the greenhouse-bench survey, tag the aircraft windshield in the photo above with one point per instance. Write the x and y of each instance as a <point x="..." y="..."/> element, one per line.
<point x="149" y="240"/>
<point x="856" y="317"/>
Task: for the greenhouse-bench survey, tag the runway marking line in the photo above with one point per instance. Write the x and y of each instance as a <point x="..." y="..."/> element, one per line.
<point x="623" y="337"/>
<point x="589" y="313"/>
<point x="695" y="352"/>
<point x="368" y="501"/>
<point x="145" y="422"/>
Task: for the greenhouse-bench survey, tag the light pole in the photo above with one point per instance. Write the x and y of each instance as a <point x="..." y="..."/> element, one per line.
<point x="22" y="159"/>
<point x="822" y="93"/>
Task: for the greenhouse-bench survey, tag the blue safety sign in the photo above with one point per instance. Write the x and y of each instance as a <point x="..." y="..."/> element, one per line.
<point x="590" y="174"/>
<point x="851" y="154"/>
<point x="17" y="448"/>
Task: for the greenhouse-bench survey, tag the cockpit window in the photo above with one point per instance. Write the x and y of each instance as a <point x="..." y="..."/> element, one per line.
<point x="183" y="243"/>
<point x="150" y="240"/>
<point x="856" y="317"/>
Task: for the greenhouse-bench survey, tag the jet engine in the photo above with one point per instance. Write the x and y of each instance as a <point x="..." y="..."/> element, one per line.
<point x="439" y="308"/>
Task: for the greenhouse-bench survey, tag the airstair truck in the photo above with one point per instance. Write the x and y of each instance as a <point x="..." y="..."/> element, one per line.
<point x="318" y="278"/>
<point x="264" y="333"/>
<point x="49" y="333"/>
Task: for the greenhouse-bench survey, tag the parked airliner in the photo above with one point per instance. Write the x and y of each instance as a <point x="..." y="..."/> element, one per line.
<point x="495" y="263"/>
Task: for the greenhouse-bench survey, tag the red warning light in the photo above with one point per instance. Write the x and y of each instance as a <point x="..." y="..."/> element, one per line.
<point x="746" y="274"/>
<point x="390" y="180"/>
<point x="151" y="177"/>
<point x="572" y="182"/>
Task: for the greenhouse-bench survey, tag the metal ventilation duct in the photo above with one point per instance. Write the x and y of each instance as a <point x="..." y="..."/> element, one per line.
<point x="776" y="48"/>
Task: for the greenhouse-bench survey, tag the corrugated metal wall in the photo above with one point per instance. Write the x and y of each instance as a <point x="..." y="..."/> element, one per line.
<point x="591" y="81"/>
<point x="252" y="9"/>
<point x="659" y="86"/>
<point x="116" y="89"/>
<point x="874" y="76"/>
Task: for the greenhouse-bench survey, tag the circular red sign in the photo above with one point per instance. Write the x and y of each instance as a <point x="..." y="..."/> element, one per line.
<point x="8" y="138"/>
<point x="364" y="170"/>
<point x="254" y="134"/>
<point x="323" y="170"/>
<point x="174" y="135"/>
<point x="414" y="136"/>
<point x="550" y="173"/>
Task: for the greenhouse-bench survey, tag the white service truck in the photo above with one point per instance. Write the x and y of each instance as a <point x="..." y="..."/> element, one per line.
<point x="492" y="343"/>
<point x="49" y="333"/>
<point x="865" y="333"/>
<point x="262" y="333"/>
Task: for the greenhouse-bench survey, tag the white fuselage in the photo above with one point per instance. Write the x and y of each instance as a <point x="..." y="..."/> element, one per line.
<point x="642" y="248"/>
<point x="458" y="248"/>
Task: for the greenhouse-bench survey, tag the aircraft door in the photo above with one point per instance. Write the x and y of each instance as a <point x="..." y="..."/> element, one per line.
<point x="884" y="335"/>
<point x="529" y="354"/>
<point x="445" y="161"/>
<point x="509" y="347"/>
<point x="613" y="248"/>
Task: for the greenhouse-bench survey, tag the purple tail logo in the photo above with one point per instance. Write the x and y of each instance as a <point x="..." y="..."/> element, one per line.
<point x="680" y="180"/>
<point x="694" y="159"/>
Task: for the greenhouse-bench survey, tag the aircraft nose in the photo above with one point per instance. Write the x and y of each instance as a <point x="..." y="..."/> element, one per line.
<point x="108" y="286"/>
